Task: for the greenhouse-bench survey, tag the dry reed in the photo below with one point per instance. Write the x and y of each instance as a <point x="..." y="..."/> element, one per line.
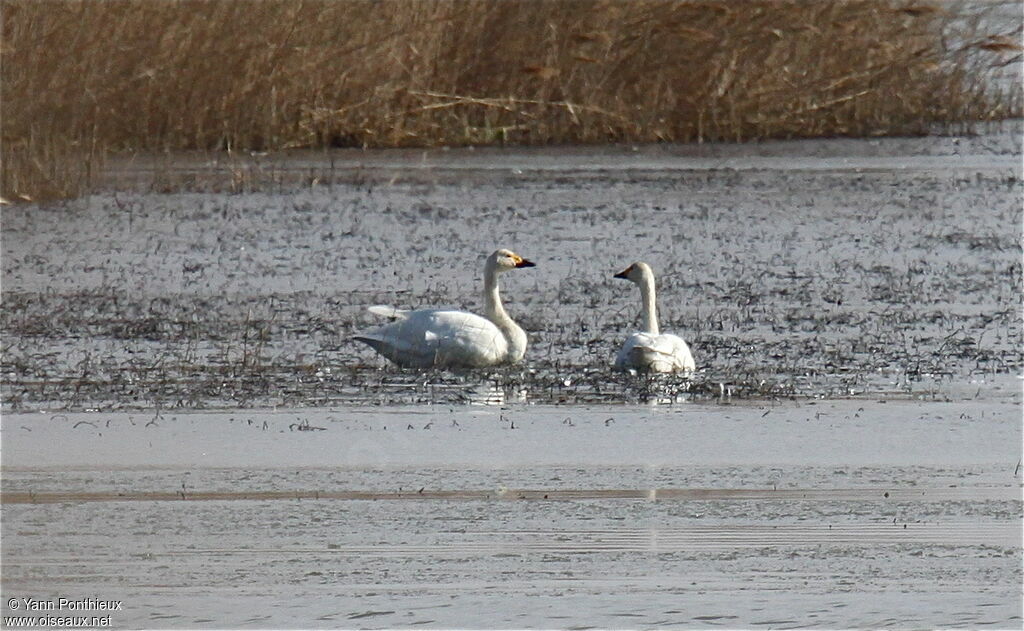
<point x="83" y="78"/>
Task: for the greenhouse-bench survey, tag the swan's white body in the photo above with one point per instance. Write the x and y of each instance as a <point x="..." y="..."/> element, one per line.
<point x="650" y="350"/>
<point x="437" y="337"/>
<point x="427" y="338"/>
<point x="655" y="353"/>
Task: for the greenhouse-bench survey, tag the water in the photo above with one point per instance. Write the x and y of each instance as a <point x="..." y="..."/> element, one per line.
<point x="188" y="429"/>
<point x="847" y="513"/>
<point x="785" y="280"/>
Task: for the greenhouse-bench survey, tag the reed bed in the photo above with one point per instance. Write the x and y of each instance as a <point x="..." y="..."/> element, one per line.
<point x="81" y="79"/>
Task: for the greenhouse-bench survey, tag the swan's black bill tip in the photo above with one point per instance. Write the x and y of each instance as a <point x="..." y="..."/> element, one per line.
<point x="525" y="263"/>
<point x="621" y="274"/>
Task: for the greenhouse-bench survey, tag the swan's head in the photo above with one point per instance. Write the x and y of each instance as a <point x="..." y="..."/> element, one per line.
<point x="505" y="260"/>
<point x="636" y="272"/>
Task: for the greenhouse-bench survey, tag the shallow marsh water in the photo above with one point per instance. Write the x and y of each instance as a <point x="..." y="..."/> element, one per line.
<point x="842" y="513"/>
<point x="187" y="427"/>
<point x="831" y="273"/>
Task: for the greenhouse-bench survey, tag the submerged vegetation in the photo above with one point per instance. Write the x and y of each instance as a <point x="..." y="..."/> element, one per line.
<point x="82" y="79"/>
<point x="833" y="283"/>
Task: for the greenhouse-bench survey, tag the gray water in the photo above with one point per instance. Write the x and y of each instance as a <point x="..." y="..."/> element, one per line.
<point x="188" y="428"/>
<point x="844" y="513"/>
<point x="810" y="268"/>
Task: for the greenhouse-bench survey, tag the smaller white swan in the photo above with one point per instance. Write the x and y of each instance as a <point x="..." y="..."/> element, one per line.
<point x="650" y="350"/>
<point x="426" y="338"/>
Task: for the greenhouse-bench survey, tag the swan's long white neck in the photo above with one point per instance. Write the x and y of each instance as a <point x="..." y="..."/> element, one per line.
<point x="650" y="304"/>
<point x="495" y="312"/>
<point x="493" y="308"/>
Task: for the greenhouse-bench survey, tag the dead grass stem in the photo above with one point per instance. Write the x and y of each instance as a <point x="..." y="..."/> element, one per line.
<point x="81" y="78"/>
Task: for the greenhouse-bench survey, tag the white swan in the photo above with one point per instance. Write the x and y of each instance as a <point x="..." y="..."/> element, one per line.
<point x="650" y="350"/>
<point x="448" y="338"/>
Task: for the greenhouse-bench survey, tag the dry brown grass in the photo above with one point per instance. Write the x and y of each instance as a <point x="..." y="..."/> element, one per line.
<point x="83" y="78"/>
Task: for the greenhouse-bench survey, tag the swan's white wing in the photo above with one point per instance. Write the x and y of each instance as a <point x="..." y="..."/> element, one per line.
<point x="438" y="337"/>
<point x="678" y="350"/>
<point x="655" y="353"/>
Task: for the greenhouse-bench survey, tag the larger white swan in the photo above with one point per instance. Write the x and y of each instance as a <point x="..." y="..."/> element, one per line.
<point x="650" y="350"/>
<point x="448" y="338"/>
